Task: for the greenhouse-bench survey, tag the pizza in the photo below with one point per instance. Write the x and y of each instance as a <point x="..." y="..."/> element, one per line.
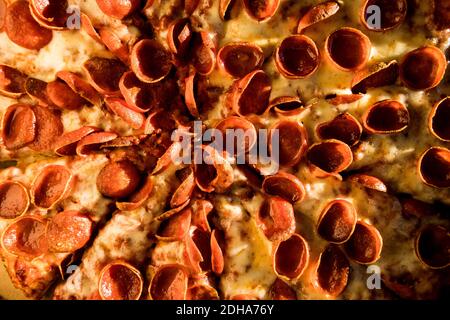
<point x="117" y="183"/>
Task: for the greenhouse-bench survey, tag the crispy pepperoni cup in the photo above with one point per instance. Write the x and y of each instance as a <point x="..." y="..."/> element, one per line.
<point x="280" y="290"/>
<point x="343" y="127"/>
<point x="297" y="57"/>
<point x="118" y="9"/>
<point x="329" y="157"/>
<point x="378" y="75"/>
<point x="316" y="14"/>
<point x="225" y="7"/>
<point x="169" y="282"/>
<point x="291" y="257"/>
<point x="276" y="219"/>
<point x="179" y="37"/>
<point x="423" y="68"/>
<point x="150" y="61"/>
<point x="261" y="10"/>
<point x="386" y="117"/>
<point x="393" y="13"/>
<point x="12" y="81"/>
<point x="66" y="144"/>
<point x="122" y="110"/>
<point x="93" y="141"/>
<point x="337" y="221"/>
<point x="78" y="85"/>
<point x="104" y="74"/>
<point x="434" y="167"/>
<point x="203" y="52"/>
<point x="18" y="126"/>
<point x="432" y="246"/>
<point x="438" y="121"/>
<point x="286" y="106"/>
<point x="118" y="179"/>
<point x="51" y="14"/>
<point x="14" y="199"/>
<point x="240" y="58"/>
<point x="348" y="49"/>
<point x="293" y="142"/>
<point x="119" y="280"/>
<point x="368" y="181"/>
<point x="175" y="227"/>
<point x="248" y="138"/>
<point x="365" y="244"/>
<point x="284" y="185"/>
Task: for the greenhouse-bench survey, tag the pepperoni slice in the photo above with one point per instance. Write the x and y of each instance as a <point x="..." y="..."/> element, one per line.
<point x="284" y="185"/>
<point x="348" y="49"/>
<point x="203" y="54"/>
<point x="276" y="219"/>
<point x="120" y="281"/>
<point x="179" y="36"/>
<point x="225" y="7"/>
<point x="434" y="167"/>
<point x="368" y="181"/>
<point x="66" y="144"/>
<point x="78" y="85"/>
<point x="48" y="128"/>
<point x="150" y="61"/>
<point x="393" y="13"/>
<point x="159" y="121"/>
<point x="441" y="14"/>
<point x="118" y="179"/>
<point x="68" y="231"/>
<point x="191" y="92"/>
<point x="291" y="257"/>
<point x="184" y="191"/>
<point x="386" y="117"/>
<point x="175" y="227"/>
<point x="241" y="131"/>
<point x="53" y="184"/>
<point x="14" y="200"/>
<point x="423" y="68"/>
<point x="261" y="10"/>
<point x="137" y="199"/>
<point x="23" y="30"/>
<point x="25" y="237"/>
<point x="19" y="126"/>
<point x="240" y="58"/>
<point x="12" y="81"/>
<point x="292" y="142"/>
<point x="438" y="120"/>
<point x="297" y="57"/>
<point x="333" y="270"/>
<point x="93" y="141"/>
<point x="88" y="27"/>
<point x="169" y="283"/>
<point x="287" y="106"/>
<point x="104" y="74"/>
<point x="337" y="221"/>
<point x="338" y="99"/>
<point x="118" y="9"/>
<point x="37" y="90"/>
<point x="280" y="290"/>
<point x="200" y="211"/>
<point x="365" y="244"/>
<point x="199" y="250"/>
<point x="329" y="157"/>
<point x="123" y="111"/>
<point x="378" y="75"/>
<point x="114" y="44"/>
<point x="250" y="95"/>
<point x="51" y="14"/>
<point x="217" y="256"/>
<point x="433" y="246"/>
<point x="316" y="14"/>
<point x="343" y="127"/>
<point x="63" y="97"/>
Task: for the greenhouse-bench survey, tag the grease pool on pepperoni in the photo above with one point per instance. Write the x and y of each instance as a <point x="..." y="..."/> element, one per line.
<point x="240" y="58"/>
<point x="284" y="185"/>
<point x="51" y="14"/>
<point x="120" y="280"/>
<point x="293" y="141"/>
<point x="118" y="179"/>
<point x="18" y="126"/>
<point x="150" y="61"/>
<point x="104" y="74"/>
<point x="291" y="257"/>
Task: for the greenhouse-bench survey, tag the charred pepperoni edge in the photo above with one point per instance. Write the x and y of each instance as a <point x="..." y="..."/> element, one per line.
<point x="434" y="167"/>
<point x="342" y="125"/>
<point x="398" y="117"/>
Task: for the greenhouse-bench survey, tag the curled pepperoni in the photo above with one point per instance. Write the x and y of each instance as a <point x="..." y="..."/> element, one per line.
<point x="179" y="36"/>
<point x="212" y="172"/>
<point x="338" y="99"/>
<point x="169" y="283"/>
<point x="88" y="27"/>
<point x="184" y="191"/>
<point x="12" y="81"/>
<point x="203" y="55"/>
<point x="25" y="237"/>
<point x="291" y="257"/>
<point x="93" y="141"/>
<point x="365" y="244"/>
<point x="190" y="93"/>
<point x="276" y="219"/>
<point x="18" y="126"/>
<point x="333" y="270"/>
<point x="439" y="119"/>
<point x="392" y="14"/>
<point x="114" y="44"/>
<point x="150" y="61"/>
<point x="434" y="167"/>
<point x="66" y="144"/>
<point x="48" y="128"/>
<point x="423" y="68"/>
<point x="14" y="200"/>
<point x="316" y="14"/>
<point x="284" y="185"/>
<point x="52" y="185"/>
<point x="378" y="75"/>
<point x="297" y="57"/>
<point x="159" y="121"/>
<point x="37" y="90"/>
<point x="68" y="231"/>
<point x="137" y="199"/>
<point x="241" y="131"/>
<point x="120" y="281"/>
<point x="175" y="227"/>
<point x="280" y="290"/>
<point x="348" y="48"/>
<point x="433" y="246"/>
<point x="217" y="256"/>
<point x="225" y="7"/>
<point x="200" y="211"/>
<point x="200" y="256"/>
<point x="330" y="156"/>
<point x="368" y="181"/>
<point x="104" y="74"/>
<point x="23" y="30"/>
<point x="292" y="142"/>
<point x="386" y="117"/>
<point x="122" y="110"/>
<point x="337" y="221"/>
<point x="118" y="9"/>
<point x="240" y="58"/>
<point x="118" y="179"/>
<point x="261" y="10"/>
<point x="343" y="127"/>
<point x="51" y="14"/>
<point x="81" y="87"/>
<point x="63" y="97"/>
<point x="441" y="14"/>
<point x="250" y="95"/>
<point x="287" y="106"/>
